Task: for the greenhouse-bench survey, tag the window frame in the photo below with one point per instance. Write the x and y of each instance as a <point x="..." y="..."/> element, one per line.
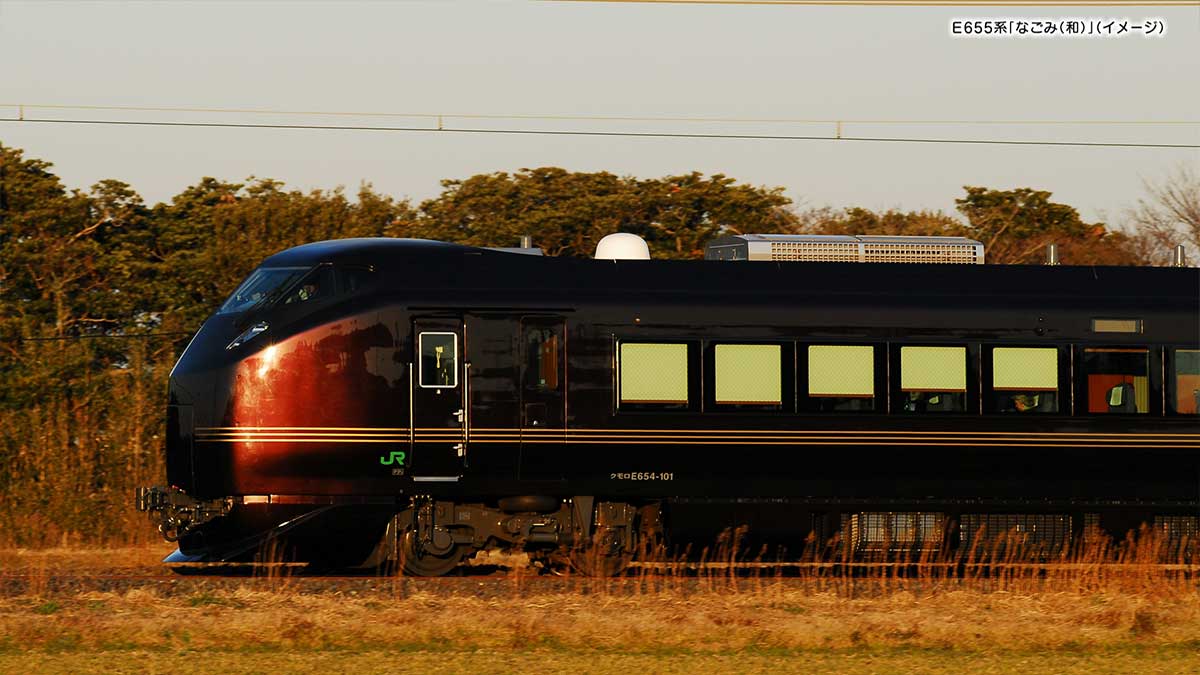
<point x="987" y="377"/>
<point x="807" y="402"/>
<point x="1154" y="384"/>
<point x="787" y="374"/>
<point x="694" y="379"/>
<point x="895" y="376"/>
<point x="1170" y="396"/>
<point x="281" y="303"/>
<point x="267" y="304"/>
<point x="557" y="329"/>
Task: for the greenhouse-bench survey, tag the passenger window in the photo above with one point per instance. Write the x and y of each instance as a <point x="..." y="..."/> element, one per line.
<point x="748" y="375"/>
<point x="439" y="359"/>
<point x="841" y="378"/>
<point x="654" y="373"/>
<point x="933" y="379"/>
<point x="317" y="285"/>
<point x="1117" y="379"/>
<point x="1025" y="379"/>
<point x="541" y="350"/>
<point x="1185" y="382"/>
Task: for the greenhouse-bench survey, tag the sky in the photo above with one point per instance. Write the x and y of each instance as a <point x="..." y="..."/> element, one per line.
<point x="746" y="62"/>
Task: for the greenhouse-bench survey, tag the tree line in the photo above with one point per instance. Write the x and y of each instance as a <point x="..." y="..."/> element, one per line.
<point x="99" y="291"/>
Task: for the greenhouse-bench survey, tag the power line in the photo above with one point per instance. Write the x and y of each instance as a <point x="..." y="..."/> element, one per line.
<point x="607" y="134"/>
<point x="135" y="336"/>
<point x="22" y="107"/>
<point x="913" y="3"/>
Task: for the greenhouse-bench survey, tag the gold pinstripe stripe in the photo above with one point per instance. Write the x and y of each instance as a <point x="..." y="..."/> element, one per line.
<point x="986" y="444"/>
<point x="682" y="433"/>
<point x="544" y="436"/>
<point x="608" y="438"/>
<point x="250" y="428"/>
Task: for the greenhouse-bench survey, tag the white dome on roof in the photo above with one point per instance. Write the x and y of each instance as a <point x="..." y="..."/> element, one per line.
<point x="622" y="246"/>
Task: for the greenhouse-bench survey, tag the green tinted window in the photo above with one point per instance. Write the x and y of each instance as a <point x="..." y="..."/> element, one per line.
<point x="748" y="374"/>
<point x="654" y="373"/>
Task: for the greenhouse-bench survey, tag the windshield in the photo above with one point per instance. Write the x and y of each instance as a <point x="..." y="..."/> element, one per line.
<point x="263" y="286"/>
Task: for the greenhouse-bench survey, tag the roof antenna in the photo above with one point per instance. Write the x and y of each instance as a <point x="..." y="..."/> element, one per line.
<point x="526" y="241"/>
<point x="1179" y="256"/>
<point x="1052" y="254"/>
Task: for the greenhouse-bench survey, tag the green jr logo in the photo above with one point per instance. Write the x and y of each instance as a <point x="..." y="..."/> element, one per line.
<point x="396" y="457"/>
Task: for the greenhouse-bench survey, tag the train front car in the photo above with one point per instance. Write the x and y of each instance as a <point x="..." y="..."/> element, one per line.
<point x="274" y="411"/>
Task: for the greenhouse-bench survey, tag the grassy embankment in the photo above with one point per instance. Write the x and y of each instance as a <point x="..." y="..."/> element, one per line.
<point x="1070" y="617"/>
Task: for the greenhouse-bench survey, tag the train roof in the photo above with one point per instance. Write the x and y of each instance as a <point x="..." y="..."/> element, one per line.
<point x="422" y="263"/>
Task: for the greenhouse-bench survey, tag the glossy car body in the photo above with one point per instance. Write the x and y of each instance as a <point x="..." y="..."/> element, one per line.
<point x="326" y="424"/>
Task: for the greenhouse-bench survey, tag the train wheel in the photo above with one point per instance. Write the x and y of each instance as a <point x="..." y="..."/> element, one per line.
<point x="416" y="560"/>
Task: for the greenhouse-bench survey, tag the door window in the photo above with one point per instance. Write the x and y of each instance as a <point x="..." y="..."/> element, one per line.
<point x="439" y="360"/>
<point x="541" y="358"/>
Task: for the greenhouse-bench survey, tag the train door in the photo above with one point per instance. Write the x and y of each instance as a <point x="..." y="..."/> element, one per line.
<point x="543" y="386"/>
<point x="439" y="417"/>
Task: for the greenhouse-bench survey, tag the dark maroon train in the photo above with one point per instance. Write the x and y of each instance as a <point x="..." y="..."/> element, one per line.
<point x="369" y="401"/>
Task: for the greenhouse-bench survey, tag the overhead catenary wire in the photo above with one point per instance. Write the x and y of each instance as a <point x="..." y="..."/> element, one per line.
<point x="129" y="336"/>
<point x="596" y="118"/>
<point x="908" y="3"/>
<point x="598" y="133"/>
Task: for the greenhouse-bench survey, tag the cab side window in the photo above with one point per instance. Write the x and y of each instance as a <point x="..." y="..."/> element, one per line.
<point x="316" y="286"/>
<point x="354" y="279"/>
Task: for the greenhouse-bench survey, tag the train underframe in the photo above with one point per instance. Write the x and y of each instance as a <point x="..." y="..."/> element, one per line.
<point x="431" y="536"/>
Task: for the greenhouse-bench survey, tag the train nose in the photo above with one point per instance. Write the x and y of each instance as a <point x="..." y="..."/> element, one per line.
<point x="213" y="345"/>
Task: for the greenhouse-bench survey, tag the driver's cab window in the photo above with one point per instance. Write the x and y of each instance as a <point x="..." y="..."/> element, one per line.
<point x="317" y="285"/>
<point x="355" y="279"/>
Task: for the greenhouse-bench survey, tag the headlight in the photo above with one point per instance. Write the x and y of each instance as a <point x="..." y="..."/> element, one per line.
<point x="247" y="336"/>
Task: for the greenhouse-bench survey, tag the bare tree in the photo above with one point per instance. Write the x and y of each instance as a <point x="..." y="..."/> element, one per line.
<point x="1170" y="214"/>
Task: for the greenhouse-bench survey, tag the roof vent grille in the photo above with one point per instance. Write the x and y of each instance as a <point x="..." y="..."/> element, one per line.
<point x="845" y="248"/>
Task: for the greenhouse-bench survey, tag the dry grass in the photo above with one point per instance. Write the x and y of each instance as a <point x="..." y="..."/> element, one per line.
<point x="1070" y="619"/>
<point x="143" y="558"/>
<point x="1149" y="661"/>
<point x="782" y="616"/>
